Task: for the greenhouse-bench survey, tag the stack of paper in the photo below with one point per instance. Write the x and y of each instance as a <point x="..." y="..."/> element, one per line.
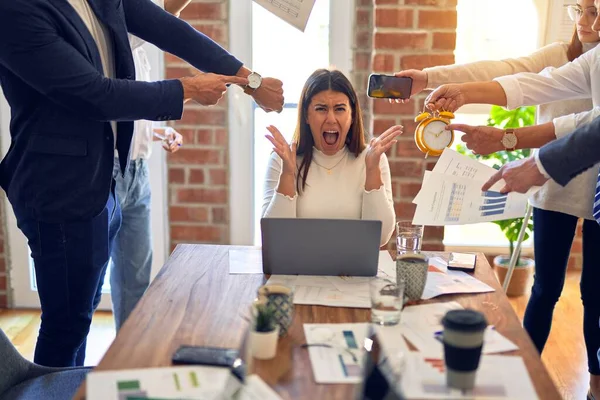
<point x="451" y="194"/>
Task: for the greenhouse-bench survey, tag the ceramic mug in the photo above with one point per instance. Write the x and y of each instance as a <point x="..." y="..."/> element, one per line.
<point x="412" y="268"/>
<point x="281" y="299"/>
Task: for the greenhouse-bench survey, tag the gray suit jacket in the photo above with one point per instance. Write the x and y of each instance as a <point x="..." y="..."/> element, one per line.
<point x="569" y="156"/>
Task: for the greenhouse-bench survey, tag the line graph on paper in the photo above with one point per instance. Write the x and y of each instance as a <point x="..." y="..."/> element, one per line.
<point x="493" y="203"/>
<point x="457" y="196"/>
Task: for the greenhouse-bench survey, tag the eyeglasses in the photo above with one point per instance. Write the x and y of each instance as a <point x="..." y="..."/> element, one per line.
<point x="576" y="12"/>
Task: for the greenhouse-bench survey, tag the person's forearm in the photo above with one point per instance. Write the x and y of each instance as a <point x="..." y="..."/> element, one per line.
<point x="373" y="180"/>
<point x="287" y="185"/>
<point x="533" y="137"/>
<point x="176" y="6"/>
<point x="484" y="93"/>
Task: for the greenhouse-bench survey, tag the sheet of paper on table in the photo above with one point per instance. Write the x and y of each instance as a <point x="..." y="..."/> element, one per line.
<point x="452" y="282"/>
<point x="336" y="351"/>
<point x="294" y="12"/>
<point x="165" y="383"/>
<point x="451" y="194"/>
<point x="498" y="377"/>
<point x="420" y="323"/>
<point x="245" y="260"/>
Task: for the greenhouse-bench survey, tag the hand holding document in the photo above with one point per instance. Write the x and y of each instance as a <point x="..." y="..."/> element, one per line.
<point x="451" y="194"/>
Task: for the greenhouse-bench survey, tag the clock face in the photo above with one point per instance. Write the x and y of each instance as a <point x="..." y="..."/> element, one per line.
<point x="435" y="135"/>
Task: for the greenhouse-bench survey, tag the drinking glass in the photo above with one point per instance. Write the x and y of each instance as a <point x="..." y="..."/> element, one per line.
<point x="409" y="237"/>
<point x="387" y="298"/>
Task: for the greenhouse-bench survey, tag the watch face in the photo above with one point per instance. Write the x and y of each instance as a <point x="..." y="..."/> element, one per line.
<point x="254" y="80"/>
<point x="435" y="135"/>
<point x="509" y="140"/>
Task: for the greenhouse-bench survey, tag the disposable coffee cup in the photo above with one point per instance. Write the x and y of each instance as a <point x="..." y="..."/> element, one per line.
<point x="463" y="341"/>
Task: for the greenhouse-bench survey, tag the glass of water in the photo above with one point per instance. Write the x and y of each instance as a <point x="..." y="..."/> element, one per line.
<point x="387" y="299"/>
<point x="409" y="237"/>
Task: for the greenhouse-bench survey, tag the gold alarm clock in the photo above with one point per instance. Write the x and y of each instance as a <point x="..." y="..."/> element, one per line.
<point x="431" y="135"/>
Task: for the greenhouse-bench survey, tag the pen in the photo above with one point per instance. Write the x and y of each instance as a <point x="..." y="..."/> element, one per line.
<point x="165" y="137"/>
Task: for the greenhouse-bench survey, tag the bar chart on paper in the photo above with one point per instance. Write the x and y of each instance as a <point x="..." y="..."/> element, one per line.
<point x="493" y="203"/>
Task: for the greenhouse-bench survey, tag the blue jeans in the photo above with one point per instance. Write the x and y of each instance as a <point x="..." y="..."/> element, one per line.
<point x="70" y="261"/>
<point x="553" y="236"/>
<point x="132" y="252"/>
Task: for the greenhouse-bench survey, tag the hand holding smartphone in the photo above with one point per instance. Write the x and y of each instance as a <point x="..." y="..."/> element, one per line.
<point x="389" y="87"/>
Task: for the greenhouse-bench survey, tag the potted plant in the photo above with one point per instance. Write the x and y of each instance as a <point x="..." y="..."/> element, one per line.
<point x="521" y="278"/>
<point x="264" y="332"/>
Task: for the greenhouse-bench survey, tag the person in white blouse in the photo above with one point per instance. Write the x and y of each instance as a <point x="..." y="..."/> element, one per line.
<point x="564" y="92"/>
<point x="329" y="171"/>
<point x="131" y="254"/>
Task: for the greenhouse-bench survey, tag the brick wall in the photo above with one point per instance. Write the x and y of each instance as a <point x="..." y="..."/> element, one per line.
<point x="197" y="189"/>
<point x="410" y="34"/>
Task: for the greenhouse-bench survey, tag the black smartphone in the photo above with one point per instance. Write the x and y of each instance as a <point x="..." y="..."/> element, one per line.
<point x="389" y="87"/>
<point x="200" y="355"/>
<point x="462" y="262"/>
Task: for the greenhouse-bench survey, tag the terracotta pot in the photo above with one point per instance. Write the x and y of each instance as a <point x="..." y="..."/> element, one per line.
<point x="522" y="276"/>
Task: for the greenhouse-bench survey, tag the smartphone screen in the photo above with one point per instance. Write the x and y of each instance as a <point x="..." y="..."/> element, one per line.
<point x="205" y="356"/>
<point x="389" y="87"/>
<point x="462" y="261"/>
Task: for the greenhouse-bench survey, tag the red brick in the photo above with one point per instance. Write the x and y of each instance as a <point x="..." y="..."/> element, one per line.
<point x="196" y="176"/>
<point x="363" y="18"/>
<point x="432" y="233"/>
<point x="394" y="18"/>
<point x="435" y="246"/>
<point x="221" y="138"/>
<point x="204" y="136"/>
<point x="176" y="175"/>
<point x="363" y="38"/>
<point x="442" y="19"/>
<point x="410" y="126"/>
<point x="220" y="215"/>
<point x="213" y="31"/>
<point x="439" y="3"/>
<point x="430" y="163"/>
<point x="405" y="210"/>
<point x="362" y="61"/>
<point x="2" y="265"/>
<point x="385" y="2"/>
<point x="381" y="125"/>
<point x="1" y="245"/>
<point x="189" y="233"/>
<point x="213" y="196"/>
<point x="425" y="60"/>
<point x="408" y="189"/>
<point x="406" y="147"/>
<point x="364" y="3"/>
<point x="383" y="63"/>
<point x="203" y="116"/>
<point x="170" y="59"/>
<point x="188" y="214"/>
<point x="382" y="106"/>
<point x="3" y="301"/>
<point x="218" y="176"/>
<point x="3" y="285"/>
<point x="444" y="40"/>
<point x="411" y="169"/>
<point x="196" y="156"/>
<point x="187" y="135"/>
<point x="399" y="41"/>
<point x="205" y="11"/>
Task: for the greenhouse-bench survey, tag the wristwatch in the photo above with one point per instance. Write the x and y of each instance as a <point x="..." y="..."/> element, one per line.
<point x="254" y="82"/>
<point x="509" y="139"/>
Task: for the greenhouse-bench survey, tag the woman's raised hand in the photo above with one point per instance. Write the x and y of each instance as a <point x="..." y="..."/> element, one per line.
<point x="286" y="152"/>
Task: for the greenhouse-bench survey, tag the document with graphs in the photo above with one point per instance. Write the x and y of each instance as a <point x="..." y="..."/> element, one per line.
<point x="294" y="12"/>
<point x="451" y="194"/>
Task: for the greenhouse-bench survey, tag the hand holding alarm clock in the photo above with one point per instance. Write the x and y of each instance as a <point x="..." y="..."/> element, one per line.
<point x="431" y="135"/>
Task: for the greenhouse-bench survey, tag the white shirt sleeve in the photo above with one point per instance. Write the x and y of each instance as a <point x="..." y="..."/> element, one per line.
<point x="571" y="81"/>
<point x="568" y="123"/>
<point x="481" y="71"/>
<point x="135" y="42"/>
<point x="276" y="205"/>
<point x="378" y="204"/>
<point x="540" y="166"/>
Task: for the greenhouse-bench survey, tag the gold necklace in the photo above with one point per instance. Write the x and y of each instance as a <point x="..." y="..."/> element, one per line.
<point x="329" y="169"/>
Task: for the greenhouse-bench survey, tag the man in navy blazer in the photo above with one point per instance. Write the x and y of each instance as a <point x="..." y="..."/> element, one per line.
<point x="58" y="171"/>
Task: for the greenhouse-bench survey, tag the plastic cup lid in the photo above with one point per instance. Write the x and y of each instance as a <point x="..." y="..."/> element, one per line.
<point x="464" y="320"/>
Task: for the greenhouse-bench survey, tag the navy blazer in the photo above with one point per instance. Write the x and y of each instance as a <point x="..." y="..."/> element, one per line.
<point x="567" y="157"/>
<point x="60" y="161"/>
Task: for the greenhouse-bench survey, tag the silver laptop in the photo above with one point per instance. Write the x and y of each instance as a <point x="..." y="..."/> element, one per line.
<point x="299" y="246"/>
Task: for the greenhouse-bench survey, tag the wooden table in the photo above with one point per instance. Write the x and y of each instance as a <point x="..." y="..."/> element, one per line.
<point x="194" y="301"/>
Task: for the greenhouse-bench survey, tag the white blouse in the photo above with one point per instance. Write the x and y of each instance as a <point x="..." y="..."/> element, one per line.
<point x="340" y="194"/>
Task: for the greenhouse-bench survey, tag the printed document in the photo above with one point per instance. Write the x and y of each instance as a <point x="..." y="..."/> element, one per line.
<point x="294" y="12"/>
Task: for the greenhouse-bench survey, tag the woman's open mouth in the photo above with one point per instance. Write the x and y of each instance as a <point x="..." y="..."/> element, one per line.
<point x="331" y="137"/>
